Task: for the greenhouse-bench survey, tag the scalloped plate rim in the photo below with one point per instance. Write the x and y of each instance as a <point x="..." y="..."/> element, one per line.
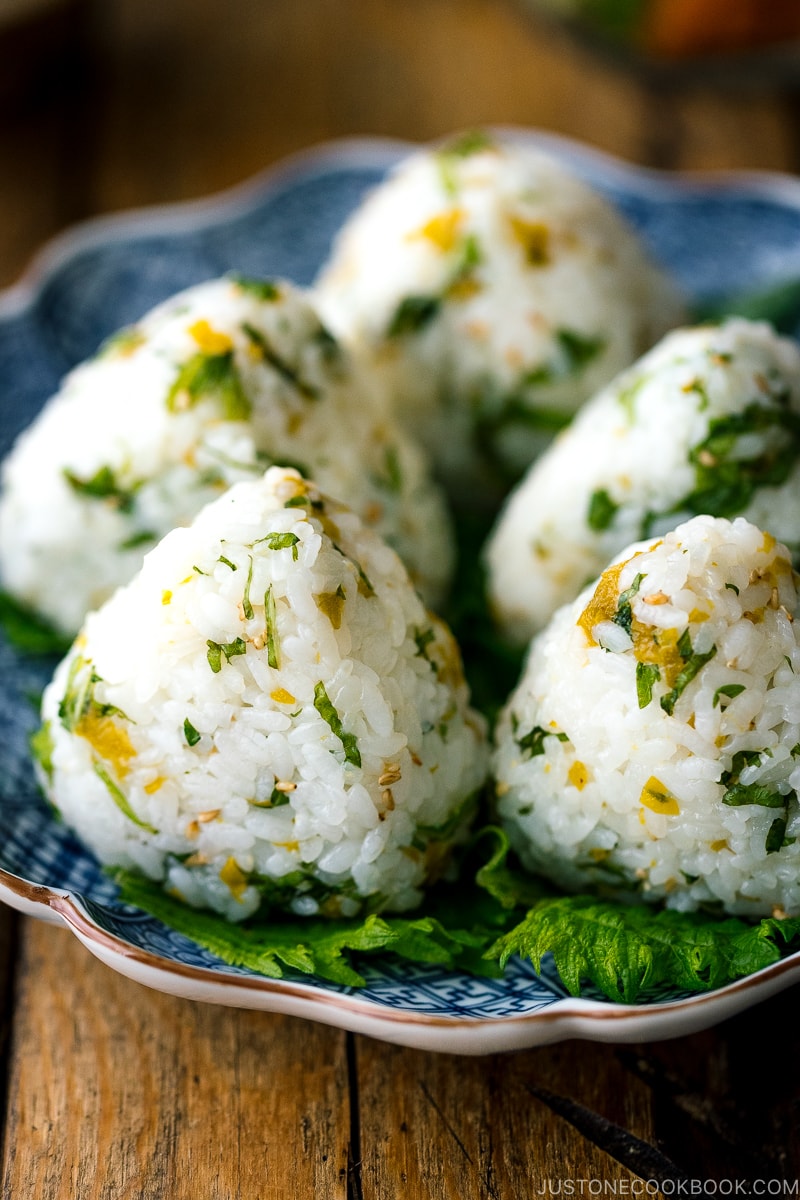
<point x="565" y="1018"/>
<point x="210" y="210"/>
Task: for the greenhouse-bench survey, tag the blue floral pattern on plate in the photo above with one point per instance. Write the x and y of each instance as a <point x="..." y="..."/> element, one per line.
<point x="720" y="236"/>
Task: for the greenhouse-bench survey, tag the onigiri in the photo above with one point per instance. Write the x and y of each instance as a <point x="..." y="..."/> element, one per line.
<point x="652" y="747"/>
<point x="495" y="292"/>
<point x="267" y="716"/>
<point x="208" y="390"/>
<point x="707" y="422"/>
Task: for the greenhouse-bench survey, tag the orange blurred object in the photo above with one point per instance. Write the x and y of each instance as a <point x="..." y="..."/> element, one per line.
<point x="687" y="28"/>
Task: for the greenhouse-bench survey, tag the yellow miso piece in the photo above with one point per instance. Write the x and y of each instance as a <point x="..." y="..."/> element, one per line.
<point x="534" y="237"/>
<point x="210" y="340"/>
<point x="332" y="605"/>
<point x="442" y="229"/>
<point x="658" y="798"/>
<point x="109" y="740"/>
<point x="234" y="878"/>
<point x="578" y="775"/>
<point x="603" y="603"/>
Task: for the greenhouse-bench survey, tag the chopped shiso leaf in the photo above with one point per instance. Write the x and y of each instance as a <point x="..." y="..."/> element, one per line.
<point x="210" y="377"/>
<point x="532" y="742"/>
<point x="279" y="364"/>
<point x="143" y="538"/>
<point x="121" y="800"/>
<point x="624" y="614"/>
<point x="731" y="690"/>
<point x="413" y="314"/>
<point x="331" y="717"/>
<point x="229" y="649"/>
<point x="262" y="289"/>
<point x="280" y="541"/>
<point x="190" y="733"/>
<point x="247" y="607"/>
<point x="41" y="744"/>
<point x="693" y="663"/>
<point x="647" y="675"/>
<point x="601" y="511"/>
<point x="103" y="485"/>
<point x="271" y="629"/>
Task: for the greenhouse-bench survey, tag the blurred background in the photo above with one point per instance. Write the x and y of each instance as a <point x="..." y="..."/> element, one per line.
<point x="112" y="104"/>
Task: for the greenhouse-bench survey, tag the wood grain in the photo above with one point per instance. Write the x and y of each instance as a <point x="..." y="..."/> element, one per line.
<point x="118" y="1091"/>
<point x="438" y="1126"/>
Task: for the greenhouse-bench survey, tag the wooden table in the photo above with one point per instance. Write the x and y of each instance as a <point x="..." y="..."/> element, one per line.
<point x="110" y="1090"/>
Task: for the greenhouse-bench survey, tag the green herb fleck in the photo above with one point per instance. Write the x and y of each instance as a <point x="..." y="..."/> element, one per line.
<point x="121" y="800"/>
<point x="602" y="510"/>
<point x="532" y="743"/>
<point x="647" y="675"/>
<point x="262" y="289"/>
<point x="77" y="693"/>
<point x="467" y="144"/>
<point x="271" y="629"/>
<point x="210" y="377"/>
<point x="578" y="349"/>
<point x="122" y="343"/>
<point x="103" y="485"/>
<point x="423" y="639"/>
<point x="229" y="649"/>
<point x="227" y="562"/>
<point x="693" y="664"/>
<point x="277" y="799"/>
<point x="280" y="541"/>
<point x="329" y="714"/>
<point x="624" y="614"/>
<point x="42" y="746"/>
<point x="305" y="501"/>
<point x="732" y="588"/>
<point x="730" y="690"/>
<point x="413" y="314"/>
<point x="247" y="607"/>
<point x="627" y="397"/>
<point x="279" y="364"/>
<point x="776" y="836"/>
<point x="142" y="538"/>
<point x="190" y="733"/>
<point x="392" y="478"/>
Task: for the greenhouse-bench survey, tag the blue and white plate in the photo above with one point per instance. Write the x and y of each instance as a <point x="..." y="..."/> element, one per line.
<point x="721" y="235"/>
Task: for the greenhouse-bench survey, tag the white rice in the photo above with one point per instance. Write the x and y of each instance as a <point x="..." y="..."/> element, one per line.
<point x="495" y="292"/>
<point x="206" y="391"/>
<point x="610" y="777"/>
<point x="708" y="421"/>
<point x="267" y="713"/>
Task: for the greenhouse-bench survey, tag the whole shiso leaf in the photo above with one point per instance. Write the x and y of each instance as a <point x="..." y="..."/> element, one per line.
<point x="627" y="950"/>
<point x="320" y="947"/>
<point x="28" y="632"/>
<point x="624" y="951"/>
